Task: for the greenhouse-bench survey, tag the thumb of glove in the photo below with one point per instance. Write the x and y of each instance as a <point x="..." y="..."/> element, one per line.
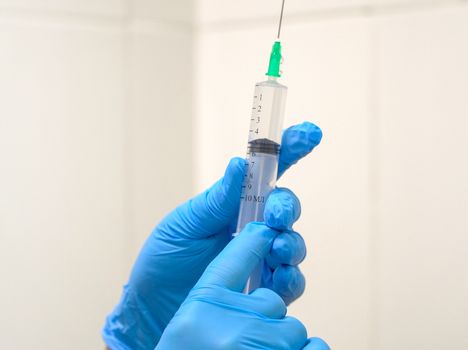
<point x="233" y="266"/>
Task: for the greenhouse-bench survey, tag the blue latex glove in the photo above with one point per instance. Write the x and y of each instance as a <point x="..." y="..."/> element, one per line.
<point x="216" y="314"/>
<point x="189" y="238"/>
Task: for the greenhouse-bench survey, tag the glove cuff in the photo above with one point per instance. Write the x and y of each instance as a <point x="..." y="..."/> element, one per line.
<point x="129" y="327"/>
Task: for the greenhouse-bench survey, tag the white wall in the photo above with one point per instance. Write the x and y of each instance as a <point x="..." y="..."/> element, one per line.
<point x="90" y="93"/>
<point x="384" y="196"/>
<point x="422" y="157"/>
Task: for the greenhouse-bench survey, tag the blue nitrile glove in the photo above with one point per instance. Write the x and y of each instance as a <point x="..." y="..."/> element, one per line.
<point x="216" y="314"/>
<point x="188" y="239"/>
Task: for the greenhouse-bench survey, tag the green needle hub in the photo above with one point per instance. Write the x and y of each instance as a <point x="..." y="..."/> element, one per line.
<point x="275" y="60"/>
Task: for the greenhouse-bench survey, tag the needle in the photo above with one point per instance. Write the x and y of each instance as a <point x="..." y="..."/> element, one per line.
<point x="281" y="20"/>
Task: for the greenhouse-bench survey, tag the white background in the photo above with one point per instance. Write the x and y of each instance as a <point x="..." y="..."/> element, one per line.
<point x="112" y="112"/>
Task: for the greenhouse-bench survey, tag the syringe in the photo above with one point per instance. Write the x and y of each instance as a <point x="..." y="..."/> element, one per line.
<point x="264" y="142"/>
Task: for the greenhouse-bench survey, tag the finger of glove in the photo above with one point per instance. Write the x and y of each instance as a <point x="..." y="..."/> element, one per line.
<point x="261" y="301"/>
<point x="288" y="249"/>
<point x="316" y="344"/>
<point x="232" y="267"/>
<point x="214" y="209"/>
<point x="284" y="334"/>
<point x="282" y="209"/>
<point x="293" y="332"/>
<point x="288" y="282"/>
<point x="267" y="302"/>
<point x="297" y="141"/>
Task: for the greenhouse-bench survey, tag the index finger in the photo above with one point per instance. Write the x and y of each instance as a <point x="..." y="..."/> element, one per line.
<point x="297" y="142"/>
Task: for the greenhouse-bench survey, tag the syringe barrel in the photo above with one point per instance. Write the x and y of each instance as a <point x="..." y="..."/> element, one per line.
<point x="268" y="108"/>
<point x="266" y="124"/>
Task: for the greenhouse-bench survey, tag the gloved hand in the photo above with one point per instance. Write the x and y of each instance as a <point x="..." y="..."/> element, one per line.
<point x="216" y="314"/>
<point x="189" y="238"/>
